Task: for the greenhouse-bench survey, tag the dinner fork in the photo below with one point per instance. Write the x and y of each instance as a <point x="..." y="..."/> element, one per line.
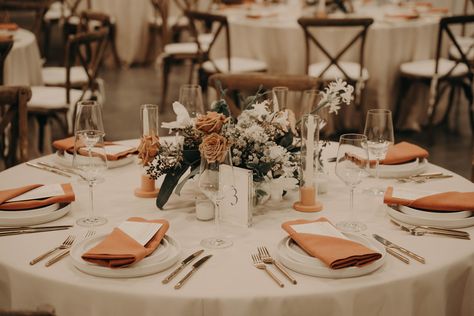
<point x="65" y="244"/>
<point x="63" y="254"/>
<point x="267" y="258"/>
<point x="258" y="263"/>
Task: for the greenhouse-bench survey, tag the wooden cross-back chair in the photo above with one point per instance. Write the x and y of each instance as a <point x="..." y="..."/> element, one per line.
<point x="202" y="21"/>
<point x="441" y="73"/>
<point x="353" y="72"/>
<point x="14" y="124"/>
<point x="6" y="44"/>
<point x="234" y="84"/>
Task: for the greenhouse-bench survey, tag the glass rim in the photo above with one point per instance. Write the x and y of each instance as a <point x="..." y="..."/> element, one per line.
<point x="189" y="86"/>
<point x="148" y="105"/>
<point x="88" y="102"/>
<point x="353" y="136"/>
<point x="378" y="111"/>
<point x="280" y="88"/>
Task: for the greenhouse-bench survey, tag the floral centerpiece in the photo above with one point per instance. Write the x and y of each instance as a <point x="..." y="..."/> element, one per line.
<point x="260" y="140"/>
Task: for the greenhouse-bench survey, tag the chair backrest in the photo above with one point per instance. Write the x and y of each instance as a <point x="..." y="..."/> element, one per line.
<point x="465" y="11"/>
<point x="251" y="82"/>
<point x="216" y="23"/>
<point x="14" y="124"/>
<point x="161" y="11"/>
<point x="6" y="45"/>
<point x="334" y="59"/>
<point x="38" y="7"/>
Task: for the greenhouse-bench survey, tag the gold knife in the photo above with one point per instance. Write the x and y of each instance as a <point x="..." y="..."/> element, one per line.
<point x="190" y="273"/>
<point x="48" y="169"/>
<point x="390" y="244"/>
<point x="184" y="263"/>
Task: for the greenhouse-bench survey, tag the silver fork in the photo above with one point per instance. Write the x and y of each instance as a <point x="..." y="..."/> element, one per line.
<point x="267" y="258"/>
<point x="63" y="254"/>
<point x="258" y="263"/>
<point x="66" y="244"/>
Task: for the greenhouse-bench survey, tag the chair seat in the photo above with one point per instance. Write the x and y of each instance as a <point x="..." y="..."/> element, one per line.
<point x="174" y="20"/>
<point x="467" y="46"/>
<point x="52" y="98"/>
<point x="426" y="68"/>
<point x="56" y="11"/>
<point x="189" y="47"/>
<point x="238" y="65"/>
<point x="56" y="76"/>
<point x="352" y="69"/>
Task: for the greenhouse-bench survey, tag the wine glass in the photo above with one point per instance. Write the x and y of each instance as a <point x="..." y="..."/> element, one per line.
<point x="379" y="132"/>
<point x="88" y="116"/>
<point x="279" y="98"/>
<point x="190" y="95"/>
<point x="212" y="184"/>
<point x="351" y="165"/>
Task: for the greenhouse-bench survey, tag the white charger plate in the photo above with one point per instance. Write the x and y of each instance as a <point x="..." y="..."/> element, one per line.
<point x="435" y="214"/>
<point x="296" y="259"/>
<point x="166" y="255"/>
<point x="401" y="170"/>
<point x="437" y="222"/>
<point x="66" y="158"/>
<point x="16" y="219"/>
<point x="29" y="212"/>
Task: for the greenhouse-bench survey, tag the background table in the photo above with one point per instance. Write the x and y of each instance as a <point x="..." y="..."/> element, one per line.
<point x="23" y="63"/>
<point x="228" y="284"/>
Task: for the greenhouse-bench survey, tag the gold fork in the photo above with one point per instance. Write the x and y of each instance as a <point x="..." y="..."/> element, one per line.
<point x="66" y="244"/>
<point x="267" y="258"/>
<point x="258" y="263"/>
<point x="63" y="254"/>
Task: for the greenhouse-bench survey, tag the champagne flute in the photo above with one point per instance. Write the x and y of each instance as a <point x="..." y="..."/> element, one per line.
<point x="212" y="184"/>
<point x="351" y="165"/>
<point x="279" y="98"/>
<point x="190" y="95"/>
<point x="379" y="132"/>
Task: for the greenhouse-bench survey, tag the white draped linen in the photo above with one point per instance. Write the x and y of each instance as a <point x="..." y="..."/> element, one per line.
<point x="23" y="63"/>
<point x="228" y="284"/>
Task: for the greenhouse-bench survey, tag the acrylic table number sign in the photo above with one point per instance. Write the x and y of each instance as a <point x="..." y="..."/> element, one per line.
<point x="309" y="165"/>
<point x="148" y="148"/>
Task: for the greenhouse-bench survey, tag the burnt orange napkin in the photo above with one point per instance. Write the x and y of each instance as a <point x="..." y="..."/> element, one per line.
<point x="9" y="26"/>
<point x="67" y="144"/>
<point x="6" y="38"/>
<point x="337" y="253"/>
<point x="446" y="201"/>
<point x="5" y="195"/>
<point x="403" y="152"/>
<point x="119" y="250"/>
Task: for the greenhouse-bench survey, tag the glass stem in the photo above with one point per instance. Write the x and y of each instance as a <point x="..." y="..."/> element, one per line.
<point x="377" y="162"/>
<point x="91" y="198"/>
<point x="217" y="220"/>
<point x="351" y="202"/>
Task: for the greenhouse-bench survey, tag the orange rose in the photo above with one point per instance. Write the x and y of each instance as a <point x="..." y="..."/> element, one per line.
<point x="214" y="147"/>
<point x="212" y="122"/>
<point x="148" y="148"/>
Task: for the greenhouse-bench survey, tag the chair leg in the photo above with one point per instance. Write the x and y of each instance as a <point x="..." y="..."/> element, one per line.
<point x="166" y="65"/>
<point x="445" y="120"/>
<point x="42" y="121"/>
<point x="191" y="72"/>
<point x="113" y="45"/>
<point x="397" y="111"/>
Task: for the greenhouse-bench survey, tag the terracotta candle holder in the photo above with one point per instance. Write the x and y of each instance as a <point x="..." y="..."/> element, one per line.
<point x="147" y="188"/>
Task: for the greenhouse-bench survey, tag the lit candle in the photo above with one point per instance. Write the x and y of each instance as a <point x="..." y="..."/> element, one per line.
<point x="309" y="168"/>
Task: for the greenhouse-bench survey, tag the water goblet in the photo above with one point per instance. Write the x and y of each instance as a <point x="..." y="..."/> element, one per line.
<point x="351" y="164"/>
<point x="190" y="95"/>
<point x="379" y="132"/>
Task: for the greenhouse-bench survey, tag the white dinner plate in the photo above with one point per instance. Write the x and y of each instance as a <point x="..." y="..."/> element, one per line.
<point x="437" y="222"/>
<point x="166" y="255"/>
<point x="401" y="170"/>
<point x="437" y="215"/>
<point x="29" y="212"/>
<point x="296" y="259"/>
<point x="66" y="158"/>
<point x="15" y="219"/>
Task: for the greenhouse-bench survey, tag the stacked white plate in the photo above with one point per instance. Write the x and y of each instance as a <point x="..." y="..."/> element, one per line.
<point x="34" y="216"/>
<point x="66" y="159"/>
<point x="401" y="170"/>
<point x="166" y="255"/>
<point x="296" y="259"/>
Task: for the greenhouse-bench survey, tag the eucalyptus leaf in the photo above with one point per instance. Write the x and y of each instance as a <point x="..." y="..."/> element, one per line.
<point x="168" y="185"/>
<point x="194" y="171"/>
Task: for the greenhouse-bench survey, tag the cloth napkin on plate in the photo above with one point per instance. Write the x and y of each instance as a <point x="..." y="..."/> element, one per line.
<point x="446" y="201"/>
<point x="6" y="195"/>
<point x="9" y="26"/>
<point x="67" y="144"/>
<point x="337" y="253"/>
<point x="119" y="250"/>
<point x="403" y="152"/>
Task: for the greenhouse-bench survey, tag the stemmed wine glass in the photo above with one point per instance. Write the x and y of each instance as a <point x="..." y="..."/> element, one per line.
<point x="279" y="98"/>
<point x="212" y="184"/>
<point x="351" y="164"/>
<point x="379" y="132"/>
<point x="89" y="153"/>
<point x="190" y="95"/>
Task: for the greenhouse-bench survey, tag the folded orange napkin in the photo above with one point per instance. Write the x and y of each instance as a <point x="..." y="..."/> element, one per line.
<point x="335" y="252"/>
<point x="119" y="250"/>
<point x="402" y="16"/>
<point x="6" y="38"/>
<point x="67" y="144"/>
<point x="9" y="26"/>
<point x="446" y="201"/>
<point x="5" y="195"/>
<point x="403" y="152"/>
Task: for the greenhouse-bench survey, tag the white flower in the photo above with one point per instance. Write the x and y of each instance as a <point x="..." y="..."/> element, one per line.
<point x="276" y="152"/>
<point x="182" y="117"/>
<point x="285" y="183"/>
<point x="347" y="96"/>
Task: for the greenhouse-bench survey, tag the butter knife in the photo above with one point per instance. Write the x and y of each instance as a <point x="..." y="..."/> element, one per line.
<point x="48" y="169"/>
<point x="183" y="264"/>
<point x="29" y="231"/>
<point x="190" y="273"/>
<point x="390" y="244"/>
<point x="422" y="230"/>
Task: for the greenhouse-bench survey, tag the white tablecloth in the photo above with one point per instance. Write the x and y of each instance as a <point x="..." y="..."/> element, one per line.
<point x="23" y="63"/>
<point x="228" y="284"/>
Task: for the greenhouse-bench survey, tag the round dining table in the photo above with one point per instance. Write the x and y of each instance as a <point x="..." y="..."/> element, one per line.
<point x="23" y="64"/>
<point x="228" y="283"/>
